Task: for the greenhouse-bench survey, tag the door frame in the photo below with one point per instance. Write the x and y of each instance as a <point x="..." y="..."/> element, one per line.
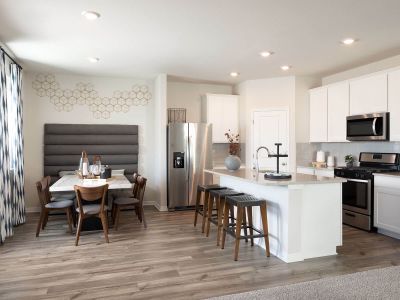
<point x="270" y="109"/>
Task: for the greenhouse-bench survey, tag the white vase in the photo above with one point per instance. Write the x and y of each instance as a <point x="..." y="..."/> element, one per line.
<point x="232" y="162"/>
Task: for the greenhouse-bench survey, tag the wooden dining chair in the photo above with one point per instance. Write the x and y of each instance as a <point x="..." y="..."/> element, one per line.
<point x="85" y="210"/>
<point x="47" y="205"/>
<point x="133" y="195"/>
<point x="137" y="202"/>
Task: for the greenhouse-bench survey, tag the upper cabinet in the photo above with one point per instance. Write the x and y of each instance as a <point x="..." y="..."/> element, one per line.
<point x="319" y="115"/>
<point x="394" y="104"/>
<point x="338" y="110"/>
<point x="368" y="94"/>
<point x="222" y="111"/>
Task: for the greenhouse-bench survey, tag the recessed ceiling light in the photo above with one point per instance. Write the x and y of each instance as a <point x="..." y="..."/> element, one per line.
<point x="90" y="15"/>
<point x="266" y="53"/>
<point x="285" y="68"/>
<point x="348" y="41"/>
<point x="93" y="59"/>
<point x="234" y="74"/>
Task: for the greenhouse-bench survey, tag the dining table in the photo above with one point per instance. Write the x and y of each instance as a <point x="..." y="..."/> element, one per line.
<point x="115" y="183"/>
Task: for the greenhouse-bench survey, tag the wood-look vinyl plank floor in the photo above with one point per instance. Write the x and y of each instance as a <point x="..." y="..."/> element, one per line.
<point x="170" y="259"/>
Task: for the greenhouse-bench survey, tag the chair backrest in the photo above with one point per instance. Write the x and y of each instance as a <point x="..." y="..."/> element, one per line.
<point x="43" y="189"/>
<point x="141" y="182"/>
<point x="91" y="194"/>
<point x="135" y="184"/>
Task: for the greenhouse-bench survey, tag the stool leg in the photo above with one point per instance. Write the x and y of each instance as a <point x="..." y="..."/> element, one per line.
<point x="226" y="223"/>
<point x="250" y="222"/>
<point x="239" y="218"/>
<point x="205" y="209"/>
<point x="221" y="206"/>
<point x="197" y="208"/>
<point x="263" y="210"/>
<point x="209" y="213"/>
<point x="245" y="225"/>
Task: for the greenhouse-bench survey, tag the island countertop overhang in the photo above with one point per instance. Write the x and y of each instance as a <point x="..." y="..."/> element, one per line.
<point x="252" y="176"/>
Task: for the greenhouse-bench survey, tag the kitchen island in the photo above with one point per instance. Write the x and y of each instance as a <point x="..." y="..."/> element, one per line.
<point x="304" y="212"/>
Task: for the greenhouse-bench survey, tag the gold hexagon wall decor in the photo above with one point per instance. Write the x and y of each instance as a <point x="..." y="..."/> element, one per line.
<point x="47" y="86"/>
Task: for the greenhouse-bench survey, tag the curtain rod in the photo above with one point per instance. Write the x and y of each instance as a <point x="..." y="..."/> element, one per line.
<point x="12" y="59"/>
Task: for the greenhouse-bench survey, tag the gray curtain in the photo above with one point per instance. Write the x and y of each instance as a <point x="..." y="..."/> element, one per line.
<point x="12" y="203"/>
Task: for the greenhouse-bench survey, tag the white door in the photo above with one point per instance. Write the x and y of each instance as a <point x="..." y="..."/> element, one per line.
<point x="270" y="127"/>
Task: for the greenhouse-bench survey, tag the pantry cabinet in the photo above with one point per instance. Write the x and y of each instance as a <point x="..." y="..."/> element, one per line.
<point x="319" y="115"/>
<point x="369" y="94"/>
<point x="223" y="113"/>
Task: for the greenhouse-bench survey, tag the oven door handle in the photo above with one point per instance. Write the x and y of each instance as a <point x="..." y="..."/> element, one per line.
<point x="374" y="126"/>
<point x="357" y="180"/>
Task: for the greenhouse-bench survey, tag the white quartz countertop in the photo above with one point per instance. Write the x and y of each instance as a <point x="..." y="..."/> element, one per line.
<point x="297" y="178"/>
<point x="389" y="174"/>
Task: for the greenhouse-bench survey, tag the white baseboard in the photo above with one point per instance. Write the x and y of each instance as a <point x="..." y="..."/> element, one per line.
<point x="159" y="207"/>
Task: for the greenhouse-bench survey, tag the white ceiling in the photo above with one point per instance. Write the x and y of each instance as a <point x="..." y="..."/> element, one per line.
<point x="200" y="39"/>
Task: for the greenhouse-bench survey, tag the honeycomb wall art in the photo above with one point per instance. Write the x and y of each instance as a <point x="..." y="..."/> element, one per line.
<point x="46" y="86"/>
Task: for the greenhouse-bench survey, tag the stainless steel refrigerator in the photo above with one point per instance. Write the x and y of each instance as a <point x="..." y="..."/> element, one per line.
<point x="189" y="152"/>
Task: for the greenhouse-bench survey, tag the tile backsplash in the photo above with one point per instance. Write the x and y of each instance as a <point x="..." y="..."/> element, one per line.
<point x="306" y="152"/>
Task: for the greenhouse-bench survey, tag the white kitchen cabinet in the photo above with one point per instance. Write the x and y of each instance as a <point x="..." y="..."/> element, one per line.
<point x="387" y="204"/>
<point x="338" y="110"/>
<point x="319" y="115"/>
<point x="223" y="113"/>
<point x="394" y="104"/>
<point x="368" y="94"/>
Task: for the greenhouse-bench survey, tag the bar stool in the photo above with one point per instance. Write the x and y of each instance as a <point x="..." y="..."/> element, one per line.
<point x="242" y="203"/>
<point x="206" y="190"/>
<point x="219" y="197"/>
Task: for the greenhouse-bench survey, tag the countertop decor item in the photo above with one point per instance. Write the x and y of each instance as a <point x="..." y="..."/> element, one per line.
<point x="320" y="156"/>
<point x="331" y="161"/>
<point x="318" y="165"/>
<point x="233" y="162"/>
<point x="349" y="160"/>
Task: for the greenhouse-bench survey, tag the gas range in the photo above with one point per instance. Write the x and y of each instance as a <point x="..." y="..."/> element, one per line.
<point x="357" y="192"/>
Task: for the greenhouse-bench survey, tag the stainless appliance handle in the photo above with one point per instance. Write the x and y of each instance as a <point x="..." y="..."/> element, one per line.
<point x="357" y="180"/>
<point x="374" y="126"/>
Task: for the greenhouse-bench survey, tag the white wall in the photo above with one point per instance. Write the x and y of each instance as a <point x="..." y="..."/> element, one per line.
<point x="265" y="94"/>
<point x="39" y="110"/>
<point x="376" y="66"/>
<point x="188" y="95"/>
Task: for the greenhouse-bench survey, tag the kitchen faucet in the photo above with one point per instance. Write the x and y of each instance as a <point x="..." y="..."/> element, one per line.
<point x="258" y="150"/>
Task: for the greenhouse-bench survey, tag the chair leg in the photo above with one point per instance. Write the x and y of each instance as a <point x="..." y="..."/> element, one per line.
<point x="209" y="214"/>
<point x="263" y="209"/>
<point x="239" y="218"/>
<point x="143" y="218"/>
<point x="69" y="218"/>
<point x="117" y="213"/>
<point x="39" y="225"/>
<point x="197" y="208"/>
<point x="45" y="219"/>
<point x="250" y="222"/>
<point x="225" y="225"/>
<point x="205" y="209"/>
<point x="78" y="230"/>
<point x="104" y="222"/>
<point x="221" y="206"/>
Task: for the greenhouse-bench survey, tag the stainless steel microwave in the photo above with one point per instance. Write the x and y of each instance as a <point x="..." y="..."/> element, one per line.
<point x="368" y="127"/>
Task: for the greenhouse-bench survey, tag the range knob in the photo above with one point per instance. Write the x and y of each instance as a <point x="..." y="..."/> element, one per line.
<point x="356" y="175"/>
<point x="362" y="176"/>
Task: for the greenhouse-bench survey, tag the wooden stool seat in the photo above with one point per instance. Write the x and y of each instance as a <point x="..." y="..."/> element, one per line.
<point x="245" y="202"/>
<point x="204" y="188"/>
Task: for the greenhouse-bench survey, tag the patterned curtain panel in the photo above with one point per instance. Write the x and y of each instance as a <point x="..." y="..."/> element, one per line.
<point x="12" y="203"/>
<point x="17" y="146"/>
<point x="6" y="227"/>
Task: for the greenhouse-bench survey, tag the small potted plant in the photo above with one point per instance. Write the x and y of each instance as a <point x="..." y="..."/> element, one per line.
<point x="349" y="160"/>
<point x="233" y="162"/>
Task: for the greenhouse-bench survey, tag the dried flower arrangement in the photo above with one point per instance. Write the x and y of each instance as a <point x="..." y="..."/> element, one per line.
<point x="234" y="146"/>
